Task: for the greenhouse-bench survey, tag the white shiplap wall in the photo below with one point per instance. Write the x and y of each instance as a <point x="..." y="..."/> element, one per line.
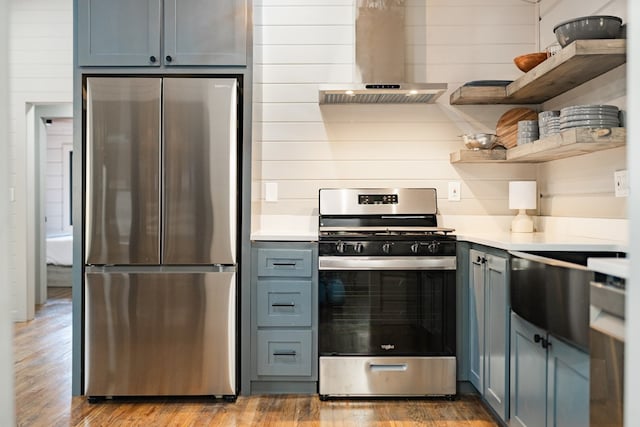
<point x="302" y="146"/>
<point x="300" y="44"/>
<point x="583" y="186"/>
<point x="59" y="137"/>
<point x="40" y="72"/>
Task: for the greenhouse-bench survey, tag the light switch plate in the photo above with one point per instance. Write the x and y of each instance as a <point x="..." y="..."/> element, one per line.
<point x="454" y="191"/>
<point x="271" y="191"/>
<point x="621" y="182"/>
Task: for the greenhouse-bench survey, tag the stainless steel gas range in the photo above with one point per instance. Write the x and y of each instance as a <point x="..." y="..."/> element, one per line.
<point x="387" y="294"/>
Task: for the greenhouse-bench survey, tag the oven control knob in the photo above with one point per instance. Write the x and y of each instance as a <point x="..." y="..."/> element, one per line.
<point x="357" y="247"/>
<point x="432" y="247"/>
<point x="415" y="248"/>
<point x="340" y="247"/>
<point x="386" y="247"/>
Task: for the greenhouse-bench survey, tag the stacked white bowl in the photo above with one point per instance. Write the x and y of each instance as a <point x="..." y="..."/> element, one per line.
<point x="589" y="116"/>
<point x="527" y="131"/>
<point x="549" y="123"/>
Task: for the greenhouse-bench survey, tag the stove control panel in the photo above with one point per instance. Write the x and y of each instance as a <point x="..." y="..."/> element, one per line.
<point x="377" y="199"/>
<point x="355" y="247"/>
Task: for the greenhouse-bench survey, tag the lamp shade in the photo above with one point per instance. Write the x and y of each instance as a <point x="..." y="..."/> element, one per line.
<point x="522" y="195"/>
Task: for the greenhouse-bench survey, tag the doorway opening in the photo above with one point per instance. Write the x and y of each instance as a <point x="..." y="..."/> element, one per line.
<point x="51" y="133"/>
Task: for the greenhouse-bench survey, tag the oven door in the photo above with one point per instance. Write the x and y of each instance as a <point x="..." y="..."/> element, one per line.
<point x="387" y="306"/>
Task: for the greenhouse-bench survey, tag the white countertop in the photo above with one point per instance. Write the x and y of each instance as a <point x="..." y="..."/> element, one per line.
<point x="500" y="240"/>
<point x="542" y="242"/>
<point x="618" y="267"/>
<point x="562" y="234"/>
<point x="285" y="236"/>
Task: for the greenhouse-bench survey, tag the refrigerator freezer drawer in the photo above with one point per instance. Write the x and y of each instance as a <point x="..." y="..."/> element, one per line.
<point x="150" y="334"/>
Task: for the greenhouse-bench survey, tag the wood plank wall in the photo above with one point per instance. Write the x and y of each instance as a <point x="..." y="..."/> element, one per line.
<point x="302" y="147"/>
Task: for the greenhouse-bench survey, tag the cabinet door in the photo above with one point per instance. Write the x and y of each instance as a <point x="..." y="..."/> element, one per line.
<point x="119" y="32"/>
<point x="568" y="386"/>
<point x="528" y="375"/>
<point x="496" y="336"/>
<point x="476" y="318"/>
<point x="201" y="32"/>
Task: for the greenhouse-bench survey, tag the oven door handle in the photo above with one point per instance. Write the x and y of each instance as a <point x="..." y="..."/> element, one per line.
<point x="386" y="263"/>
<point x="388" y="367"/>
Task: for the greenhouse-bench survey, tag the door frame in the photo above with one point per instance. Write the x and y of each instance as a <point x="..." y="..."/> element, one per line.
<point x="36" y="187"/>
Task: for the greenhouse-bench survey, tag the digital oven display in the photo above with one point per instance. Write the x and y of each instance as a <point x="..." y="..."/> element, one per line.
<point x="377" y="199"/>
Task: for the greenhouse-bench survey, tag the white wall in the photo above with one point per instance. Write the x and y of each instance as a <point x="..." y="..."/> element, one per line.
<point x="301" y="44"/>
<point x="40" y="71"/>
<point x="583" y="186"/>
<point x="59" y="141"/>
<point x="302" y="147"/>
<point x="7" y="400"/>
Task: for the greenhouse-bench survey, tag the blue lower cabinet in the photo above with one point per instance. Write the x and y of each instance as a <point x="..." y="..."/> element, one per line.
<point x="284" y="318"/>
<point x="568" y="385"/>
<point x="284" y="353"/>
<point x="284" y="303"/>
<point x="489" y="328"/>
<point x="528" y="375"/>
<point x="549" y="379"/>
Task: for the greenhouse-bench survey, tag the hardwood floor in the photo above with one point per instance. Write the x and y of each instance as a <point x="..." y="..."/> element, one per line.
<point x="43" y="394"/>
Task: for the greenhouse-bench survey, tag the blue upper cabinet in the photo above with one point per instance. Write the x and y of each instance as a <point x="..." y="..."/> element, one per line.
<point x="155" y="33"/>
<point x="119" y="32"/>
<point x="205" y="32"/>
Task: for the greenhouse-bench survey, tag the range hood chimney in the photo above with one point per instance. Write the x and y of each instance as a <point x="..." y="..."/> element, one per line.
<point x="380" y="60"/>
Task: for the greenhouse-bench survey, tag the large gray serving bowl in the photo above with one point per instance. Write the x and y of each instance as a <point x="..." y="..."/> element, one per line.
<point x="588" y="27"/>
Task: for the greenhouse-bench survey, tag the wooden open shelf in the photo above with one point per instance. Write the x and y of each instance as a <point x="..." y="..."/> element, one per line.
<point x="478" y="156"/>
<point x="573" y="65"/>
<point x="569" y="143"/>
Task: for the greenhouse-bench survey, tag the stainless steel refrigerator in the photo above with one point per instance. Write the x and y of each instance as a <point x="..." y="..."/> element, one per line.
<point x="160" y="236"/>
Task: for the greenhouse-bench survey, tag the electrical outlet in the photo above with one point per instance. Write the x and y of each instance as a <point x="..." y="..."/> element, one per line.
<point x="454" y="191"/>
<point x="621" y="182"/>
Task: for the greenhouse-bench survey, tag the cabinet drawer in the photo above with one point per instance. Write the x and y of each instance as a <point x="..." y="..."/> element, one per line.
<point x="284" y="262"/>
<point x="284" y="303"/>
<point x="284" y="353"/>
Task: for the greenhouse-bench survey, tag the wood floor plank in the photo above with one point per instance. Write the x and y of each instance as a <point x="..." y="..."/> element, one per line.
<point x="42" y="349"/>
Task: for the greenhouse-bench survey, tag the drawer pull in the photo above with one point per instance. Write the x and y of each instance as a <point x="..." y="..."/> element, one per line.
<point x="291" y="353"/>
<point x="283" y="304"/>
<point x="284" y="264"/>
<point x="384" y="367"/>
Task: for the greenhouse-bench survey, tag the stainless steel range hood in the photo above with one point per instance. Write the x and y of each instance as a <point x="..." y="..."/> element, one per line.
<point x="381" y="51"/>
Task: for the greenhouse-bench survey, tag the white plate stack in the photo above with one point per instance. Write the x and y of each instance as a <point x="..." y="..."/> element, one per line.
<point x="527" y="131"/>
<point x="589" y="116"/>
<point x="549" y="123"/>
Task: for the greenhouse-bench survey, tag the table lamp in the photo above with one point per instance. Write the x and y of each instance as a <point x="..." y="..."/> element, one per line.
<point x="522" y="196"/>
